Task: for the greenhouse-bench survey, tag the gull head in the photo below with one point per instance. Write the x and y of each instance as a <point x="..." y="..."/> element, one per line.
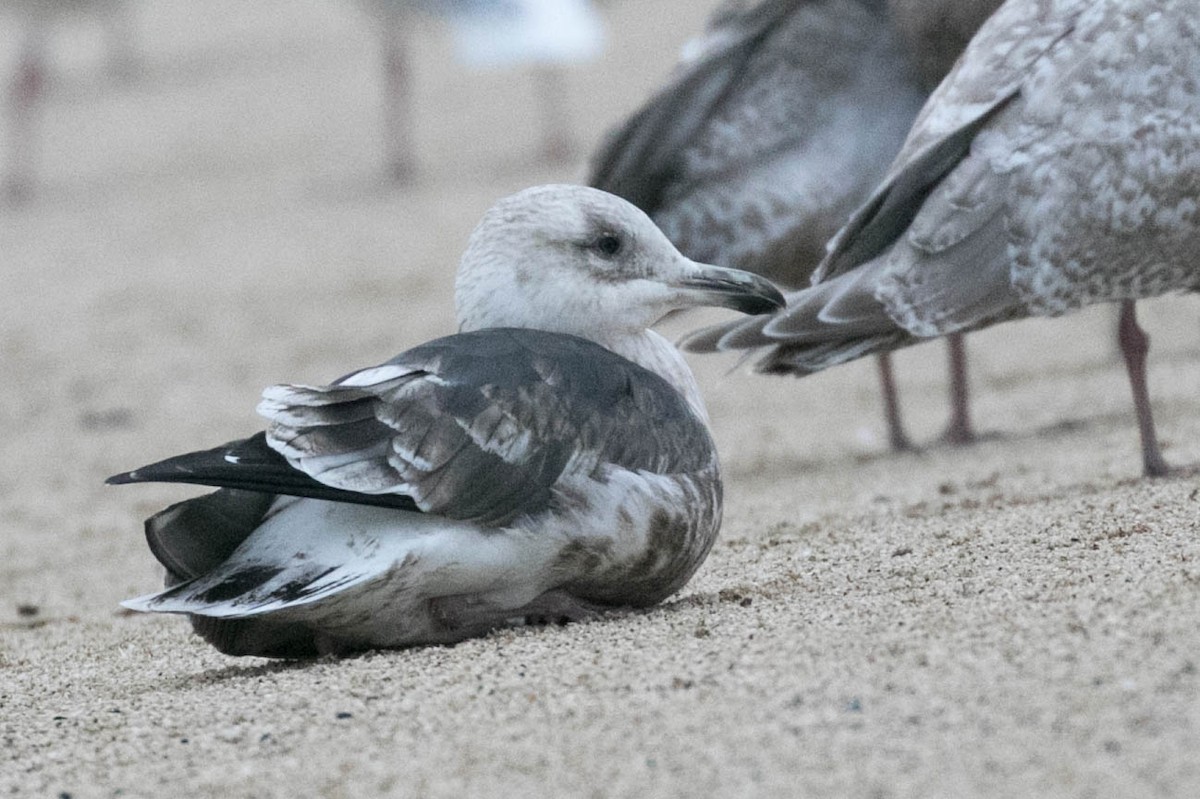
<point x="572" y="259"/>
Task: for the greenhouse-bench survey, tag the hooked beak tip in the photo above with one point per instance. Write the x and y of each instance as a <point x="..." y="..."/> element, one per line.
<point x="736" y="289"/>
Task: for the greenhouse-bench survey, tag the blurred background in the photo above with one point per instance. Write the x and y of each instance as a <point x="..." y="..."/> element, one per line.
<point x="207" y="202"/>
<point x="205" y="197"/>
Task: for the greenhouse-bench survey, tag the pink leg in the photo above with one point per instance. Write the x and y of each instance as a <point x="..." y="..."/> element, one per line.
<point x="558" y="145"/>
<point x="118" y="23"/>
<point x="960" y="429"/>
<point x="398" y="126"/>
<point x="1134" y="346"/>
<point x="24" y="96"/>
<point x="891" y="405"/>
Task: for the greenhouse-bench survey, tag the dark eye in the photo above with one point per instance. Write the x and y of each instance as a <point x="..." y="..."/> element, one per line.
<point x="607" y="244"/>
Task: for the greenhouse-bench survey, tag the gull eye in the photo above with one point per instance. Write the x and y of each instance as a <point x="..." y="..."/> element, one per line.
<point x="607" y="244"/>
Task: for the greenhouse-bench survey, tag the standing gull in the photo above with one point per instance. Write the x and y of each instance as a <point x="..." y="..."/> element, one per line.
<point x="780" y="120"/>
<point x="488" y="34"/>
<point x="1057" y="166"/>
<point x="552" y="458"/>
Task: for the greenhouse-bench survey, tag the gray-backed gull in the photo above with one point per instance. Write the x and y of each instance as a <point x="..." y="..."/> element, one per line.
<point x="552" y="458"/>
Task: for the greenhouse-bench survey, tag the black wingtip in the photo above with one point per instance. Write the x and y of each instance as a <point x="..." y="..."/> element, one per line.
<point x="250" y="464"/>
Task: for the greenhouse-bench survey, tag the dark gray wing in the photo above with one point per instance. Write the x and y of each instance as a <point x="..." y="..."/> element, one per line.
<point x="482" y="426"/>
<point x="249" y="464"/>
<point x="476" y="426"/>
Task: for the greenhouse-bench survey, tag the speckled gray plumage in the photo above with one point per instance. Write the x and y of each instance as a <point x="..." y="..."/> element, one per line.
<point x="779" y="122"/>
<point x="773" y="129"/>
<point x="1057" y="166"/>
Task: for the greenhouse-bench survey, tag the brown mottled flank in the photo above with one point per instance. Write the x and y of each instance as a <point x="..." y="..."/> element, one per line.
<point x="677" y="542"/>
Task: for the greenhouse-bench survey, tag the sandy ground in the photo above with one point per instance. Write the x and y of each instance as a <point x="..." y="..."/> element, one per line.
<point x="1014" y="619"/>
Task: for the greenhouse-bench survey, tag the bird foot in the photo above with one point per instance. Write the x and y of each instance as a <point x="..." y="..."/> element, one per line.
<point x="1155" y="466"/>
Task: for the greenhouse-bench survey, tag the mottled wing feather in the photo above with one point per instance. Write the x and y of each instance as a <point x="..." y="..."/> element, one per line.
<point x="986" y="79"/>
<point x="639" y="159"/>
<point x="817" y="114"/>
<point x="481" y="426"/>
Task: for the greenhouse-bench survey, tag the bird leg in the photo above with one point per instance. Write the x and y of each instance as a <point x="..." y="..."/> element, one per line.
<point x="891" y="405"/>
<point x="397" y="110"/>
<point x="123" y="61"/>
<point x="1134" y="346"/>
<point x="960" y="430"/>
<point x="558" y="145"/>
<point x="24" y="95"/>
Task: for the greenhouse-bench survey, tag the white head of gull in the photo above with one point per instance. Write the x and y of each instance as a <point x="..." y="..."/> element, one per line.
<point x="601" y="270"/>
<point x="1058" y="165"/>
<point x="550" y="459"/>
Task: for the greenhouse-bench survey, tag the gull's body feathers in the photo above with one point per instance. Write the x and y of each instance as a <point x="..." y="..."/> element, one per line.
<point x="1058" y="165"/>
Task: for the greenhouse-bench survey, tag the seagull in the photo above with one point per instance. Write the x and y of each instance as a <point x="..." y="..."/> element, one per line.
<point x="1057" y="166"/>
<point x="550" y="460"/>
<point x="488" y="34"/>
<point x="27" y="89"/>
<point x="778" y="123"/>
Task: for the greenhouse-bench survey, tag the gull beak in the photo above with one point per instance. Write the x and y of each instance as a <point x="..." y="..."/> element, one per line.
<point x="704" y="284"/>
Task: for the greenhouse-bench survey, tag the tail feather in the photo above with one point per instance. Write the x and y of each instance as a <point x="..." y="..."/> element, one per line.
<point x="240" y="589"/>
<point x="786" y="359"/>
<point x="257" y="637"/>
<point x="829" y="324"/>
<point x="738" y="335"/>
<point x="304" y="554"/>
<point x="844" y="308"/>
<point x="193" y="537"/>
